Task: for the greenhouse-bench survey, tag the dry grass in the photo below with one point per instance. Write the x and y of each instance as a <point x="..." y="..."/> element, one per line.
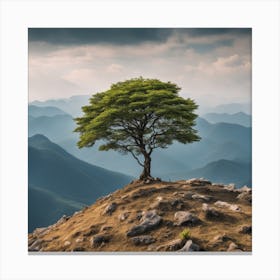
<point x="137" y="197"/>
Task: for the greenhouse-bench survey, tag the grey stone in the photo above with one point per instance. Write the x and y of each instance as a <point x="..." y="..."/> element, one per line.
<point x="62" y="220"/>
<point x="210" y="212"/>
<point x="198" y="182"/>
<point x="143" y="240"/>
<point x="97" y="240"/>
<point x="190" y="247"/>
<point x="149" y="221"/>
<point x="183" y="218"/>
<point x="200" y="197"/>
<point x="245" y="196"/>
<point x="232" y="207"/>
<point x="230" y="187"/>
<point x="110" y="208"/>
<point x="36" y="246"/>
<point x="173" y="245"/>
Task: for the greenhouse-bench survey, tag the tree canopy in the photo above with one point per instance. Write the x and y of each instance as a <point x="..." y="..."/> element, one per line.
<point x="137" y="116"/>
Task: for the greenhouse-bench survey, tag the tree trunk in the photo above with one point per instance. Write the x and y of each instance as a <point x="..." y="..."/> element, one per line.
<point x="146" y="174"/>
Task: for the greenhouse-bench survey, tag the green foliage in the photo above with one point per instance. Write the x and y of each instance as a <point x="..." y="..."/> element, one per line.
<point x="185" y="234"/>
<point x="137" y="116"/>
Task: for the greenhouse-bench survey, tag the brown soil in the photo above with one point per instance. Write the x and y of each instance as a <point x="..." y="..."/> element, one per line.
<point x="77" y="232"/>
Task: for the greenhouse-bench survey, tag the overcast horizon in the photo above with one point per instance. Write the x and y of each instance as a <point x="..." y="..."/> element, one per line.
<point x="210" y="65"/>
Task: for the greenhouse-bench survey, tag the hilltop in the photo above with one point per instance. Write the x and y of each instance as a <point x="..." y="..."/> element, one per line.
<point x="153" y="216"/>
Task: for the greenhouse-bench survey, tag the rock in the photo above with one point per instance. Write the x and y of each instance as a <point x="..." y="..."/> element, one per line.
<point x="245" y="196"/>
<point x="232" y="247"/>
<point x="97" y="240"/>
<point x="246" y="230"/>
<point x="40" y="231"/>
<point x="63" y="219"/>
<point x="201" y="197"/>
<point x="198" y="182"/>
<point x="230" y="187"/>
<point x="67" y="243"/>
<point x="189" y="247"/>
<point x="77" y="213"/>
<point x="36" y="246"/>
<point x="143" y="240"/>
<point x="79" y="240"/>
<point x="94" y="229"/>
<point x="105" y="228"/>
<point x="168" y="205"/>
<point x="220" y="238"/>
<point x="188" y="194"/>
<point x="183" y="218"/>
<point x="123" y="216"/>
<point x="210" y="212"/>
<point x="110" y="208"/>
<point x="173" y="245"/>
<point x="150" y="221"/>
<point x="232" y="207"/>
<point x="245" y="189"/>
<point x="177" y="203"/>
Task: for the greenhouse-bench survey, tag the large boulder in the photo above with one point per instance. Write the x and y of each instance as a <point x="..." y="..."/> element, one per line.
<point x="149" y="221"/>
<point x="185" y="218"/>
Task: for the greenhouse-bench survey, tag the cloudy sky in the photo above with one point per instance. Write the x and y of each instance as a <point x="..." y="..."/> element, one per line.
<point x="211" y="65"/>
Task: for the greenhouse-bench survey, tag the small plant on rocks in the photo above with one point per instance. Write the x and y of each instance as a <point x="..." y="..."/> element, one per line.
<point x="185" y="234"/>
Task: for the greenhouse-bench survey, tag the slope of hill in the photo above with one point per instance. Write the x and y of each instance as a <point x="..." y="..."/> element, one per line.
<point x="182" y="216"/>
<point x="54" y="170"/>
<point x="237" y="118"/>
<point x="48" y="111"/>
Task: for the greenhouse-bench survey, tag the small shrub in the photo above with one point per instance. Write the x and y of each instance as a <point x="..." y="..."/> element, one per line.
<point x="185" y="234"/>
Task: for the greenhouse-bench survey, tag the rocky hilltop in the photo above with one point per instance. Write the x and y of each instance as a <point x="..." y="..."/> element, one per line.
<point x="155" y="216"/>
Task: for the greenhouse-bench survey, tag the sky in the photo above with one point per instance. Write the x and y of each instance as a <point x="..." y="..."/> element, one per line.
<point x="210" y="65"/>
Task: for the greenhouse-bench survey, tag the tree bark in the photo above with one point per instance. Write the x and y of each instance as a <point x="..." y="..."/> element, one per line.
<point x="146" y="174"/>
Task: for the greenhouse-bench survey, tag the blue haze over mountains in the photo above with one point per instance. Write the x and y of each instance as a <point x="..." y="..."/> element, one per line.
<point x="63" y="178"/>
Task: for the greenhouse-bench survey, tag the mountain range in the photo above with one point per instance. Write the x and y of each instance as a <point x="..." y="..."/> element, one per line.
<point x="237" y="118"/>
<point x="219" y="141"/>
<point x="63" y="178"/>
<point x="62" y="182"/>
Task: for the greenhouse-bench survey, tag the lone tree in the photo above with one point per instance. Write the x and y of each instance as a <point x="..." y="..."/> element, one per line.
<point x="137" y="116"/>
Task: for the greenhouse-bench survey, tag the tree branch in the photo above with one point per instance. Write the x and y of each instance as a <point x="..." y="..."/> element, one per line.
<point x="128" y="150"/>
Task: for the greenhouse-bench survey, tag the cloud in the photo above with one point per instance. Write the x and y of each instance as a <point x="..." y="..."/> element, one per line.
<point x="211" y="66"/>
<point x="117" y="36"/>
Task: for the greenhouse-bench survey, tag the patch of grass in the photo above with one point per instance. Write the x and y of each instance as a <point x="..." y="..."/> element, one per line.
<point x="185" y="234"/>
